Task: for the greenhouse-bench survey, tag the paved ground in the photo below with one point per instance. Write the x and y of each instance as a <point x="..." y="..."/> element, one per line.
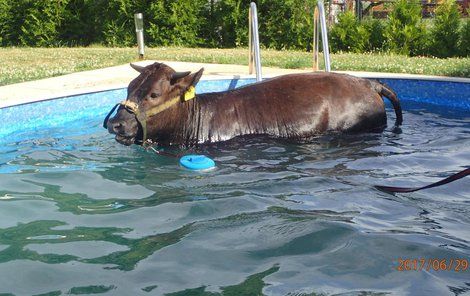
<point x="120" y="76"/>
<point x="110" y="78"/>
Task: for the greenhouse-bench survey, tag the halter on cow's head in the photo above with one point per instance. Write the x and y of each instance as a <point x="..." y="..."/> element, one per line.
<point x="156" y="89"/>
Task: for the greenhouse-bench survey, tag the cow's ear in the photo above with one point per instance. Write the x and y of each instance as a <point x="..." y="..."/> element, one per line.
<point x="184" y="80"/>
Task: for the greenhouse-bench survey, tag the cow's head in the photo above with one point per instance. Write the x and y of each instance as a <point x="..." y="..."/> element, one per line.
<point x="156" y="89"/>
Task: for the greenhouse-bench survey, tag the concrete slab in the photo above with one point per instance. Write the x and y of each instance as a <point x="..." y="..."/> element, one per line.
<point x="120" y="76"/>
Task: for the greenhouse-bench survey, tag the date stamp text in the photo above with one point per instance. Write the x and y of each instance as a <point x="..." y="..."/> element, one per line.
<point x="435" y="264"/>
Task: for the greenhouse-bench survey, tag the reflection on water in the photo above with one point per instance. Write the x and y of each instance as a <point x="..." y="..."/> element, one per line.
<point x="80" y="214"/>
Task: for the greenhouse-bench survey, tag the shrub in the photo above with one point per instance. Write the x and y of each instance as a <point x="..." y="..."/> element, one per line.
<point x="42" y="18"/>
<point x="375" y="29"/>
<point x="405" y="31"/>
<point x="348" y="34"/>
<point x="118" y="27"/>
<point x="4" y="21"/>
<point x="12" y="18"/>
<point x="176" y="22"/>
<point x="80" y="25"/>
<point x="40" y="23"/>
<point x="285" y="24"/>
<point x="229" y="23"/>
<point x="445" y="32"/>
<point x="464" y="42"/>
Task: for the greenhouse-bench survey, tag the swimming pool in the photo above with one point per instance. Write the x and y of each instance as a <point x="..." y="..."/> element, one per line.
<point x="81" y="214"/>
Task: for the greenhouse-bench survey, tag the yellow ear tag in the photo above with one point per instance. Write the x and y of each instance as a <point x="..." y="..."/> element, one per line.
<point x="190" y="94"/>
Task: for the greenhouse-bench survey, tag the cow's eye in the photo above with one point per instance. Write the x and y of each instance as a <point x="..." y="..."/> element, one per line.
<point x="154" y="95"/>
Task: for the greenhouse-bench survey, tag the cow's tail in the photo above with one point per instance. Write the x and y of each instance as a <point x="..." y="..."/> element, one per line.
<point x="387" y="92"/>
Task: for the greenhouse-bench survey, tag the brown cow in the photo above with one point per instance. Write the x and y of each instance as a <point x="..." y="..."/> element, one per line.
<point x="161" y="106"/>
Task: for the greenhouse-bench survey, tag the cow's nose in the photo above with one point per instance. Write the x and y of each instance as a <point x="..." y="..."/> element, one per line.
<point x="118" y="126"/>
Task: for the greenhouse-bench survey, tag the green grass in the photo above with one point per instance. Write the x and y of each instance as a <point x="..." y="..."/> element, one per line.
<point x="25" y="64"/>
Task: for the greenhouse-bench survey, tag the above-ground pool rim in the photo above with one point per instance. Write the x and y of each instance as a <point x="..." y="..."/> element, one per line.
<point x="368" y="75"/>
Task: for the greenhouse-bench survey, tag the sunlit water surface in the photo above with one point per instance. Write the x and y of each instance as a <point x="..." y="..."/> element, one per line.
<point x="81" y="214"/>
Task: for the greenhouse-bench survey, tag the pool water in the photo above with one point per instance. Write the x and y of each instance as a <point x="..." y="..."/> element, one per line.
<point x="81" y="214"/>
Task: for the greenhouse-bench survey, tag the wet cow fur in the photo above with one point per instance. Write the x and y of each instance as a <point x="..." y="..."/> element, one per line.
<point x="294" y="106"/>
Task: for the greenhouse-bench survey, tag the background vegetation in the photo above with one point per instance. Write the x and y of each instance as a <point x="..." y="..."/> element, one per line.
<point x="284" y="24"/>
<point x="201" y="23"/>
<point x="405" y="32"/>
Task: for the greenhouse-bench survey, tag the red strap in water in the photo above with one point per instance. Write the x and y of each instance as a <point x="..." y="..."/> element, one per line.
<point x="452" y="178"/>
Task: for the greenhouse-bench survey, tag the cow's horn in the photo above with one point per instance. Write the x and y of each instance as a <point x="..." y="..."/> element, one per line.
<point x="178" y="75"/>
<point x="138" y="68"/>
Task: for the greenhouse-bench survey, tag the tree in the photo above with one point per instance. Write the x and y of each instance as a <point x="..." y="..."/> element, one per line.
<point x="405" y="30"/>
<point x="464" y="43"/>
<point x="445" y="33"/>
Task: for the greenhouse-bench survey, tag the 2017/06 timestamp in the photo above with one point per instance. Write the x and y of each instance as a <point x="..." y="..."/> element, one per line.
<point x="436" y="264"/>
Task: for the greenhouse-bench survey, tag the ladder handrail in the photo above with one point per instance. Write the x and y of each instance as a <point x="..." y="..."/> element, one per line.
<point x="253" y="42"/>
<point x="319" y="18"/>
<point x="139" y="31"/>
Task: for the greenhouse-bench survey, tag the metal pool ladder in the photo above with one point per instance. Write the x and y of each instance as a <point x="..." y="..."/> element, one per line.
<point x="253" y="42"/>
<point x="320" y="19"/>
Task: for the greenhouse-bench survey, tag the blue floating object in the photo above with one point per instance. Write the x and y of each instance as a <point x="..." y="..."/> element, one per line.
<point x="197" y="162"/>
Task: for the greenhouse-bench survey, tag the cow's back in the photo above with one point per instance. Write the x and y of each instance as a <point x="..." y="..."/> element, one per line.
<point x="297" y="106"/>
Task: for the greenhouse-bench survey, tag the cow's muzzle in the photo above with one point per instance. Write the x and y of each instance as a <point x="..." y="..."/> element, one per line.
<point x="142" y="115"/>
<point x="120" y="127"/>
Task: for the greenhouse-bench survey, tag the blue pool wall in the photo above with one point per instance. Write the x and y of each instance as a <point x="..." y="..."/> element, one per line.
<point x="57" y="112"/>
<point x="447" y="94"/>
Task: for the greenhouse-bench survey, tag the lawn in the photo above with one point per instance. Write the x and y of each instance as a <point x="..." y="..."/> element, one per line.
<point x="25" y="64"/>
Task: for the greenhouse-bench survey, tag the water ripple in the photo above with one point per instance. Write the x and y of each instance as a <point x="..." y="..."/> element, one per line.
<point x="274" y="217"/>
